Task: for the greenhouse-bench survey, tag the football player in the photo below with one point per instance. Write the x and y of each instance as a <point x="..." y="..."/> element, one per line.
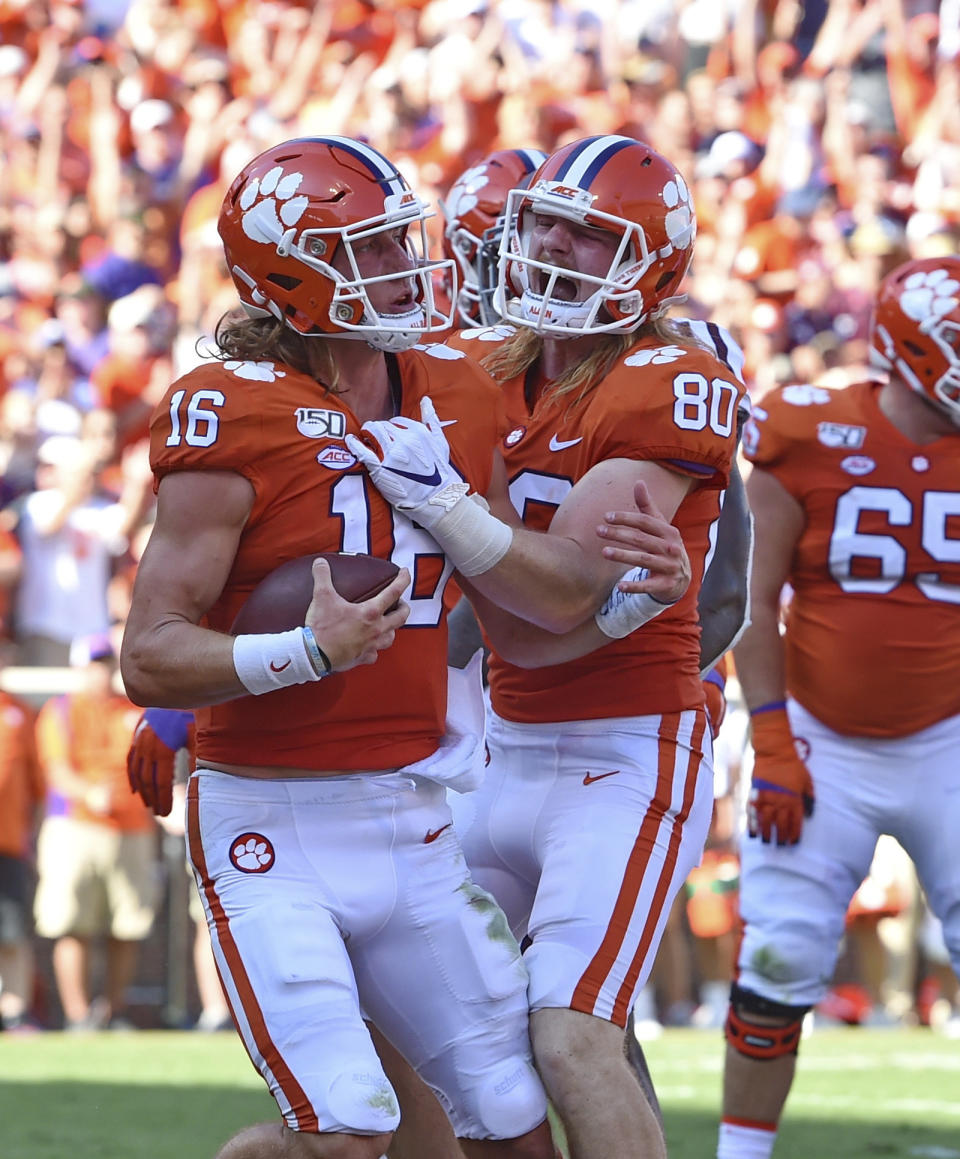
<point x="474" y="213"/>
<point x="317" y="823"/>
<point x="855" y="710"/>
<point x="473" y="224"/>
<point x="598" y="792"/>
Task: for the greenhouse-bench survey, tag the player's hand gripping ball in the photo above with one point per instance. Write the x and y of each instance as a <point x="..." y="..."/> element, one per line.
<point x="280" y="600"/>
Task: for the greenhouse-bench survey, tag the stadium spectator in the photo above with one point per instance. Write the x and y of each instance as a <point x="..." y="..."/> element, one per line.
<point x="22" y="791"/>
<point x="569" y="367"/>
<point x="96" y="853"/>
<point x="69" y="533"/>
<point x="853" y="494"/>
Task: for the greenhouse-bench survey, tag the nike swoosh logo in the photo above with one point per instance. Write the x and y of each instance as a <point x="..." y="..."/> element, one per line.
<point x="448" y="422"/>
<point x="426" y="480"/>
<point x="558" y="445"/>
<point x="589" y="778"/>
<point x="432" y="834"/>
<point x="279" y="667"/>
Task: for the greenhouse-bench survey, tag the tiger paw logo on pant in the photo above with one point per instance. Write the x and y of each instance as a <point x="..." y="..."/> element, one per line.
<point x="252" y="853"/>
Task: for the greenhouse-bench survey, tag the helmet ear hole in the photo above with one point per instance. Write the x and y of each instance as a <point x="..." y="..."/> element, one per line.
<point x="284" y="281"/>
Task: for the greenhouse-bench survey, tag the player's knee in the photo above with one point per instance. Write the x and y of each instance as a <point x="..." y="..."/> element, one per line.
<point x="760" y="1028"/>
<point x="362" y="1101"/>
<point x="510" y="1101"/>
<point x="798" y="962"/>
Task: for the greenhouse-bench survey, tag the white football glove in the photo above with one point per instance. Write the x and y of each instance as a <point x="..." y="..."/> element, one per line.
<point x="415" y="477"/>
<point x="414" y="474"/>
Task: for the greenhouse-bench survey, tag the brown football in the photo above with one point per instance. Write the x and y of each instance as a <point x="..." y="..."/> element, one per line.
<point x="280" y="600"/>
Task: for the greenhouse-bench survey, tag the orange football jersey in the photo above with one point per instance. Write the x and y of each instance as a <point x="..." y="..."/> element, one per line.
<point x="673" y="404"/>
<point x="873" y="628"/>
<point x="285" y="433"/>
<point x="92" y="734"/>
<point x="22" y="783"/>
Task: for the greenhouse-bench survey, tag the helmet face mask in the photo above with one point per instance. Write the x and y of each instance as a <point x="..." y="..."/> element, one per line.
<point x="302" y="205"/>
<point x="465" y="248"/>
<point x="487" y="264"/>
<point x="915" y="330"/>
<point x="612" y="183"/>
<point x="474" y="213"/>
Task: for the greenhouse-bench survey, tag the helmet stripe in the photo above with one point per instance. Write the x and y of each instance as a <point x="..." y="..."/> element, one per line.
<point x="586" y="161"/>
<point x="532" y="158"/>
<point x="386" y="174"/>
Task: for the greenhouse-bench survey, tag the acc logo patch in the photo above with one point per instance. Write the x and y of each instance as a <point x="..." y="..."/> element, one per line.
<point x="513" y="437"/>
<point x="751" y="437"/>
<point x="252" y="853"/>
<point x="321" y="424"/>
<point x="336" y="458"/>
<point x="858" y="465"/>
<point x="841" y="435"/>
<point x="803" y="394"/>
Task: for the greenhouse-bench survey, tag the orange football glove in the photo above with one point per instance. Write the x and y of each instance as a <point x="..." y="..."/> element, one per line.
<point x="713" y="691"/>
<point x="159" y="735"/>
<point x="781" y="790"/>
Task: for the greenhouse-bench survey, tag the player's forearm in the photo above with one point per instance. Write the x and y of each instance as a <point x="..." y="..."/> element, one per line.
<point x="178" y="665"/>
<point x="759" y="658"/>
<point x="722" y="617"/>
<point x="527" y="645"/>
<point x="548" y="581"/>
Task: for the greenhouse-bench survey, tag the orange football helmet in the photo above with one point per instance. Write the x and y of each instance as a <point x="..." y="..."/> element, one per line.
<point x="285" y="216"/>
<point x="916" y="329"/>
<point x="613" y="183"/>
<point x="473" y="210"/>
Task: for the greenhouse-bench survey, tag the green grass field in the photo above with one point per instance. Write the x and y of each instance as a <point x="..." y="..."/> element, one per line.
<point x="166" y="1095"/>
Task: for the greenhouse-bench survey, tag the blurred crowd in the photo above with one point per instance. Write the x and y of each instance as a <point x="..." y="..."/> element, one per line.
<point x="820" y="138"/>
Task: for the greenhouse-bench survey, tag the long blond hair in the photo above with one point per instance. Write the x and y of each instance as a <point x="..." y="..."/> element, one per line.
<point x="269" y="339"/>
<point x="519" y="352"/>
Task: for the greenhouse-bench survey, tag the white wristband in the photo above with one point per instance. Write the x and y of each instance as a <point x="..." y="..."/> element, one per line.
<point x="267" y="661"/>
<point x="474" y="539"/>
<point x="624" y="612"/>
